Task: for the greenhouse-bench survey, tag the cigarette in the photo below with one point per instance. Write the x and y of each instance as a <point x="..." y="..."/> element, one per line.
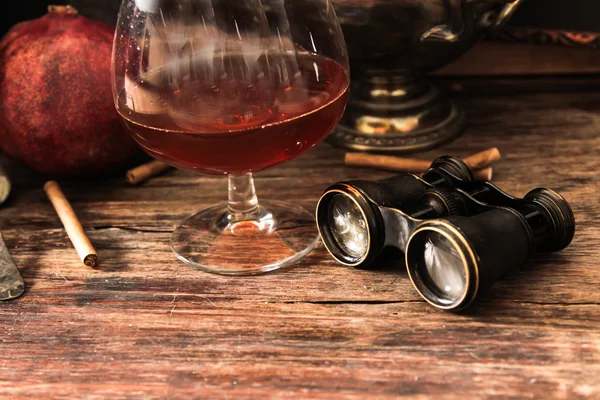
<point x="145" y="171"/>
<point x="67" y="216"/>
<point x="483" y="159"/>
<point x="476" y="162"/>
<point x="484" y="174"/>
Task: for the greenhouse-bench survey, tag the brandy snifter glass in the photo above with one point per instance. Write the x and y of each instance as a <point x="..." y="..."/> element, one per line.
<point x="231" y="87"/>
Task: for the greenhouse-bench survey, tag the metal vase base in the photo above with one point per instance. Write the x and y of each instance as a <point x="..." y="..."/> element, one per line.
<point x="391" y="114"/>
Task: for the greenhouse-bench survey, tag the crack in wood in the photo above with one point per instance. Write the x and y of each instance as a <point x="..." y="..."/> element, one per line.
<point x="353" y="302"/>
<point x="132" y="228"/>
<point x="555" y="303"/>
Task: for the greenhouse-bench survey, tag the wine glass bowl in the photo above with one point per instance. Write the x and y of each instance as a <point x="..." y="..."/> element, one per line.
<point x="221" y="87"/>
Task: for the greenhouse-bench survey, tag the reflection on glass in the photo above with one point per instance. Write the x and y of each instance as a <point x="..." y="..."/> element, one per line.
<point x="442" y="268"/>
<point x="348" y="226"/>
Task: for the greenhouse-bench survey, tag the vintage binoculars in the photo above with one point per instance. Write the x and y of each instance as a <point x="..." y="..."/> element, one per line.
<point x="458" y="235"/>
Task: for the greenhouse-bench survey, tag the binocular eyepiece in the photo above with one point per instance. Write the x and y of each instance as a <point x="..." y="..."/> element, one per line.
<point x="458" y="235"/>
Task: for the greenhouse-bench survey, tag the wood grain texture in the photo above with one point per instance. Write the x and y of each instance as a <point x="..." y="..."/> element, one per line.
<point x="144" y="325"/>
<point x="490" y="58"/>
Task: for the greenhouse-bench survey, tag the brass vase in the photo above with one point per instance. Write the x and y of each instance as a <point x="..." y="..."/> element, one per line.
<point x="392" y="45"/>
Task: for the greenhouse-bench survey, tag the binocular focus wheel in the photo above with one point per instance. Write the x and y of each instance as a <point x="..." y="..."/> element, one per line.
<point x="561" y="214"/>
<point x="454" y="166"/>
<point x="450" y="202"/>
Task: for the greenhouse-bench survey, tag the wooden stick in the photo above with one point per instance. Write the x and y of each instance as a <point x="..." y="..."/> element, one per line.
<point x="475" y="162"/>
<point x="65" y="212"/>
<point x="145" y="171"/>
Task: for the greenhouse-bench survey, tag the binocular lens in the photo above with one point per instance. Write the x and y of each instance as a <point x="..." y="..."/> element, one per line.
<point x="438" y="266"/>
<point x="348" y="226"/>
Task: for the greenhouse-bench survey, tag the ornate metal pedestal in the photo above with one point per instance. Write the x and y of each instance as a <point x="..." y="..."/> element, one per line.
<point x="392" y="45"/>
<point x="387" y="113"/>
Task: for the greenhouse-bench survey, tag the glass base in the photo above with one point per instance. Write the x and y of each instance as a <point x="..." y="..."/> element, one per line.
<point x="274" y="236"/>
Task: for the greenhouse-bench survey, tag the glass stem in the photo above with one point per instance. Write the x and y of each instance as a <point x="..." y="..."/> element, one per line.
<point x="242" y="200"/>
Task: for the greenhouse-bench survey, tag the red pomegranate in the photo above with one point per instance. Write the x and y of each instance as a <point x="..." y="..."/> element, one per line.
<point x="56" y="107"/>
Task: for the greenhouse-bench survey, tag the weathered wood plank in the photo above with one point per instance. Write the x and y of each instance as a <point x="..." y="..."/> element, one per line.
<point x="228" y="348"/>
<point x="145" y="325"/>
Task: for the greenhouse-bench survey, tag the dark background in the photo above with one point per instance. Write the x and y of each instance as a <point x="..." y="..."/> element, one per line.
<point x="583" y="15"/>
<point x="105" y="10"/>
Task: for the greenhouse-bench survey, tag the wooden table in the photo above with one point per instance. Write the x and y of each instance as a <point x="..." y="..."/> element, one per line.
<point x="144" y="325"/>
